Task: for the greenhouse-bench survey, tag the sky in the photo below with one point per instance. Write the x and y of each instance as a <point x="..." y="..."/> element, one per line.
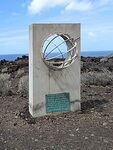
<point x="95" y="16"/>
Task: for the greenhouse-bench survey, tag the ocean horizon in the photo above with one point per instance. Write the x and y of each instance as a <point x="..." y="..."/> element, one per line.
<point x="12" y="57"/>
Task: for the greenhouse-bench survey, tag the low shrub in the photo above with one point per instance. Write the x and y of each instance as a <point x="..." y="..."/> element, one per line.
<point x="5" y="84"/>
<point x="97" y="78"/>
<point x="23" y="86"/>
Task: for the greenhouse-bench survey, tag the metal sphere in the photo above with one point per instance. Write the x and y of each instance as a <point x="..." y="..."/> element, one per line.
<point x="59" y="51"/>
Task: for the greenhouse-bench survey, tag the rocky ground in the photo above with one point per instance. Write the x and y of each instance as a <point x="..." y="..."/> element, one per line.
<point x="89" y="129"/>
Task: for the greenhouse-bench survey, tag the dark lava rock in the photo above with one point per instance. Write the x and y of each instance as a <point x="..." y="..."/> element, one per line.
<point x="15" y="124"/>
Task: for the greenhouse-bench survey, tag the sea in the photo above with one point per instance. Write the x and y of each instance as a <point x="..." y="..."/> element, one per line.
<point x="12" y="57"/>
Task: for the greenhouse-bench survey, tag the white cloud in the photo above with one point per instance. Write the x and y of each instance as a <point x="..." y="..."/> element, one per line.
<point x="13" y="35"/>
<point x="79" y="6"/>
<point x="13" y="41"/>
<point x="37" y="6"/>
<point x="12" y="38"/>
<point x="92" y="34"/>
<point x="7" y="33"/>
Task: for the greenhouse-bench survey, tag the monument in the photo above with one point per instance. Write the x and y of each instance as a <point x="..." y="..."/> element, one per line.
<point x="54" y="68"/>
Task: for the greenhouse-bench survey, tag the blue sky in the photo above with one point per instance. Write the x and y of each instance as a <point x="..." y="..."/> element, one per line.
<point x="95" y="16"/>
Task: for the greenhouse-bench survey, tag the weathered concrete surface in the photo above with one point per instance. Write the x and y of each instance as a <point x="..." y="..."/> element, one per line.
<point x="44" y="81"/>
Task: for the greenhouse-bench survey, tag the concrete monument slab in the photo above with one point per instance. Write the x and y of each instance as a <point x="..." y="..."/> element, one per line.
<point x="54" y="81"/>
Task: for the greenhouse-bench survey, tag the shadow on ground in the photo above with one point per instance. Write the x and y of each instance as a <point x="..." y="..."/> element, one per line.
<point x="87" y="105"/>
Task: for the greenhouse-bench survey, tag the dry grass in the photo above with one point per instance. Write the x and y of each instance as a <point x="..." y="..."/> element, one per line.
<point x="97" y="78"/>
<point x="23" y="86"/>
<point x="5" y="84"/>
